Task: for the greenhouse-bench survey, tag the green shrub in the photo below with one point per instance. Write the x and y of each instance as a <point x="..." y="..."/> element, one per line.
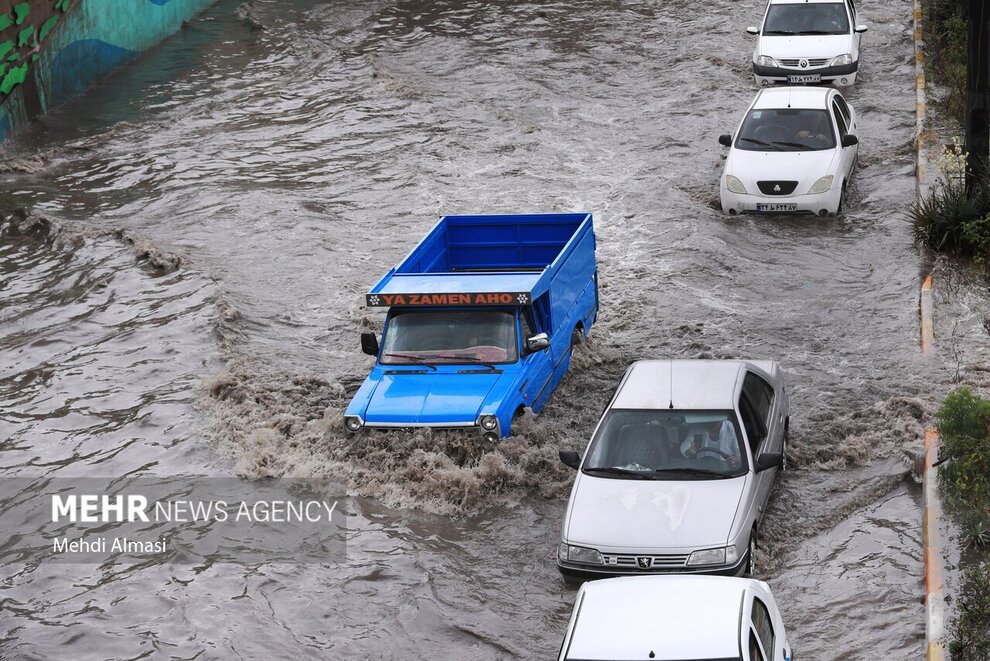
<point x="964" y="425"/>
<point x="971" y="622"/>
<point x="953" y="220"/>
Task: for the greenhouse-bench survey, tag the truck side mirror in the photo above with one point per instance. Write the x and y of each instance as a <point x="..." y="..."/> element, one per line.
<point x="538" y="342"/>
<point x="769" y="460"/>
<point x="369" y="343"/>
<point x="752" y="30"/>
<point x="570" y="458"/>
<point x="725" y="140"/>
<point x="848" y="140"/>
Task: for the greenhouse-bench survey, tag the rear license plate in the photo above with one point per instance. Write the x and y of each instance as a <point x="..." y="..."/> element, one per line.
<point x="807" y="78"/>
<point x="776" y="207"/>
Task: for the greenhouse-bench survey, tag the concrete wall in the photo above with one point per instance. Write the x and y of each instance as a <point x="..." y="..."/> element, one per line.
<point x="52" y="50"/>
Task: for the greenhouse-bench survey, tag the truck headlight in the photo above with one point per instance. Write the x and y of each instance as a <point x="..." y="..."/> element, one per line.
<point x="708" y="557"/>
<point x="734" y="185"/>
<point x="821" y="185"/>
<point x="766" y="61"/>
<point x="842" y="60"/>
<point x="579" y="554"/>
<point x="488" y="422"/>
<point x="353" y="423"/>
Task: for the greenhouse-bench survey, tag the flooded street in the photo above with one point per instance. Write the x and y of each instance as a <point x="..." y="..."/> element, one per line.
<point x="219" y="208"/>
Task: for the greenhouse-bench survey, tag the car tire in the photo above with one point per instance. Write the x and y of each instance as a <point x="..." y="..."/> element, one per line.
<point x="842" y="199"/>
<point x="783" y="451"/>
<point x="751" y="554"/>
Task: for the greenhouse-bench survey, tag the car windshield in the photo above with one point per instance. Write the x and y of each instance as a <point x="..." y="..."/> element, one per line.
<point x="667" y="444"/>
<point x="786" y="129"/>
<point x="806" y="18"/>
<point x="450" y="336"/>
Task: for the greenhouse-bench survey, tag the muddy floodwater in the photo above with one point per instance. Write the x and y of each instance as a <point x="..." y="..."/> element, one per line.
<point x="217" y="210"/>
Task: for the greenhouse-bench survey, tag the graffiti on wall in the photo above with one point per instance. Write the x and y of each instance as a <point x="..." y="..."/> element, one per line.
<point x="24" y="26"/>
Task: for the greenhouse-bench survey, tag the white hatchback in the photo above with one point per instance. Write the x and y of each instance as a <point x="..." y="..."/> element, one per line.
<point x="794" y="152"/>
<point x="676" y="617"/>
<point x="807" y="41"/>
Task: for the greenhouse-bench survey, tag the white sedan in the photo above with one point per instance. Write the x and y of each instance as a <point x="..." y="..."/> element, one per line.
<point x="807" y="41"/>
<point x="794" y="152"/>
<point x="676" y="617"/>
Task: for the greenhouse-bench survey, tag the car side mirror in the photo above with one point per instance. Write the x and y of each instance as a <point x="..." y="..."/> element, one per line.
<point x="369" y="343"/>
<point x="538" y="342"/>
<point x="849" y="140"/>
<point x="861" y="29"/>
<point x="752" y="30"/>
<point x="725" y="140"/>
<point x="769" y="460"/>
<point x="570" y="458"/>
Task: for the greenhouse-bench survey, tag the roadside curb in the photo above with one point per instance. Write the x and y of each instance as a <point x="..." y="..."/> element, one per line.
<point x="934" y="597"/>
<point x="922" y="136"/>
<point x="927" y="323"/>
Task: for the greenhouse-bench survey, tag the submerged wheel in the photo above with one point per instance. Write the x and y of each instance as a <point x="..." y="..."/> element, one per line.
<point x="577" y="338"/>
<point x="751" y="554"/>
<point x="842" y="199"/>
<point x="783" y="451"/>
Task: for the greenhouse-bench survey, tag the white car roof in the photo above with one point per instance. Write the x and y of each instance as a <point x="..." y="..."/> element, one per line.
<point x="697" y="384"/>
<point x="792" y="97"/>
<point x="675" y="617"/>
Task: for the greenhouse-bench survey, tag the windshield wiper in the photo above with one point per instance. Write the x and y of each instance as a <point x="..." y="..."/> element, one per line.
<point x="615" y="470"/>
<point x="760" y="142"/>
<point x="420" y="359"/>
<point x="700" y="472"/>
<point x="793" y="144"/>
<point x="779" y="32"/>
<point x="818" y="32"/>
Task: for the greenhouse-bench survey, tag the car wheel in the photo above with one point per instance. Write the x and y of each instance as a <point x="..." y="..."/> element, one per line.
<point x="751" y="554"/>
<point x="783" y="452"/>
<point x="842" y="199"/>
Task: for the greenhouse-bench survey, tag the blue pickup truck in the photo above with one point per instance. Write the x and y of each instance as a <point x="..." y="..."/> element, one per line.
<point x="482" y="316"/>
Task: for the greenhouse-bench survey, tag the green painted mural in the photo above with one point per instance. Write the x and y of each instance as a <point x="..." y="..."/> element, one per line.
<point x="52" y="50"/>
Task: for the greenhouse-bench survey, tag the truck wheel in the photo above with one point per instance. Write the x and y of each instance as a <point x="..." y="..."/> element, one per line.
<point x="577" y="338"/>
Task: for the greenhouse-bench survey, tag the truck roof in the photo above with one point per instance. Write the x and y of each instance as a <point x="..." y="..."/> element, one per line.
<point x="482" y="260"/>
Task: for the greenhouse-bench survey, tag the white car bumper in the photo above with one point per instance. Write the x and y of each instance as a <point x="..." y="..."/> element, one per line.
<point x="820" y="204"/>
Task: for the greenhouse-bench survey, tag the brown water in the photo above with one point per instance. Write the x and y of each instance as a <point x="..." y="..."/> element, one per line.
<point x="221" y="206"/>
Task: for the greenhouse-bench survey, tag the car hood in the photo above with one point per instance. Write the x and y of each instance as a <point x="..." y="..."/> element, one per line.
<point x="651" y="515"/>
<point x="805" y="46"/>
<point x="804" y="167"/>
<point x="430" y="398"/>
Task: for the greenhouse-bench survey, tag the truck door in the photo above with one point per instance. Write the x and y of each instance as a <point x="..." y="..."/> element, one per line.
<point x="537" y="366"/>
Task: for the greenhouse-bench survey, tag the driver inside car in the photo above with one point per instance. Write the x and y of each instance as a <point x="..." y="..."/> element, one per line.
<point x="699" y="443"/>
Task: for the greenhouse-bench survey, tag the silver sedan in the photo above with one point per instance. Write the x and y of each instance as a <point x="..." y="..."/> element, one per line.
<point x="678" y="471"/>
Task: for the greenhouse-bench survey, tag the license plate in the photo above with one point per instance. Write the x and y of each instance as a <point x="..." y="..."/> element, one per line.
<point x="776" y="207"/>
<point x="807" y="78"/>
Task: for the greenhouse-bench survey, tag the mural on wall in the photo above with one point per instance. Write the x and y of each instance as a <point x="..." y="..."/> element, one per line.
<point x="25" y="25"/>
<point x="53" y="50"/>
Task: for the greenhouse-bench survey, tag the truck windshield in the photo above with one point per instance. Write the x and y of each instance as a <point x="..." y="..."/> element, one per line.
<point x="450" y="336"/>
<point x="667" y="445"/>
